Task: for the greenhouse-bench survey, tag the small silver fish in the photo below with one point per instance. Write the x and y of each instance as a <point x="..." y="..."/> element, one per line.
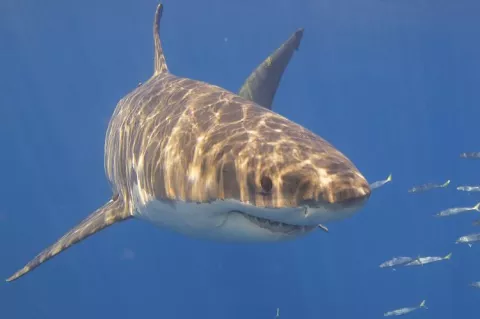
<point x="475" y="155"/>
<point x="322" y="227"/>
<point x="468" y="188"/>
<point x="468" y="239"/>
<point x="475" y="284"/>
<point x="404" y="311"/>
<point x="378" y="184"/>
<point x="420" y="261"/>
<point x="278" y="313"/>
<point x="428" y="186"/>
<point x="457" y="210"/>
<point x="396" y="261"/>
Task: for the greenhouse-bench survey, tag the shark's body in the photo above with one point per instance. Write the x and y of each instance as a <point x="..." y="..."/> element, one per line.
<point x="193" y="157"/>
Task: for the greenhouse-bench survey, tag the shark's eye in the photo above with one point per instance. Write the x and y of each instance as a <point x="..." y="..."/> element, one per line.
<point x="266" y="184"/>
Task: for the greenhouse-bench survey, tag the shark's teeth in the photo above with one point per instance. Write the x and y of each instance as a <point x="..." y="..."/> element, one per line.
<point x="276" y="226"/>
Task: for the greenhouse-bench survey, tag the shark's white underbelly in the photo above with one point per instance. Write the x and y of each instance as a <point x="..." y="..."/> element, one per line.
<point x="216" y="220"/>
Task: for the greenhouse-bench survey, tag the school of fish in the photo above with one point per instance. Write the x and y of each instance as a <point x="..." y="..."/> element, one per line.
<point x="468" y="239"/>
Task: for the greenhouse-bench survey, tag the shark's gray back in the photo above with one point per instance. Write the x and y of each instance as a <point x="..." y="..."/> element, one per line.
<point x="172" y="125"/>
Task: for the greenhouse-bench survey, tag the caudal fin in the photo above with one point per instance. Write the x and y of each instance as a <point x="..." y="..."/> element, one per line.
<point x="422" y="304"/>
<point x="477" y="207"/>
<point x="446" y="183"/>
<point x="160" y="65"/>
<point x="389" y="178"/>
<point x="448" y="256"/>
<point x="112" y="212"/>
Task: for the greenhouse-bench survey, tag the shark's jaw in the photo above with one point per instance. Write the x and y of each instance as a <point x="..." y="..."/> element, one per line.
<point x="232" y="220"/>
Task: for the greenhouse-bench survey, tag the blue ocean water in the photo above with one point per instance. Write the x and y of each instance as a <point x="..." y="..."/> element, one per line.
<point x="391" y="83"/>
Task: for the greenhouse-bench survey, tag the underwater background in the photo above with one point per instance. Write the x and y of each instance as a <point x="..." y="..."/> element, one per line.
<point x="393" y="84"/>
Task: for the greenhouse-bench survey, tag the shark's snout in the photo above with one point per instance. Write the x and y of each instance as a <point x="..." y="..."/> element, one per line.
<point x="350" y="195"/>
<point x="337" y="197"/>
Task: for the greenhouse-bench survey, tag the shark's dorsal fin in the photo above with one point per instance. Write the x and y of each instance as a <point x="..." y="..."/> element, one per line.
<point x="261" y="85"/>
<point x="160" y="63"/>
<point x="112" y="212"/>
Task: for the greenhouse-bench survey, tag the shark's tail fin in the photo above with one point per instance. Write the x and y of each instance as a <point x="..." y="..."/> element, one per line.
<point x="160" y="64"/>
<point x="110" y="213"/>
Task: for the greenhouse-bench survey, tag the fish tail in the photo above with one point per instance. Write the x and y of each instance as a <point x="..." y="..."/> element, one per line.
<point x="477" y="207"/>
<point x="422" y="304"/>
<point x="446" y="183"/>
<point x="389" y="178"/>
<point x="448" y="256"/>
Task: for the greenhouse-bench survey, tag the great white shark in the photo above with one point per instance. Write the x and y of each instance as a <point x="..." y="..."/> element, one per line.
<point x="193" y="157"/>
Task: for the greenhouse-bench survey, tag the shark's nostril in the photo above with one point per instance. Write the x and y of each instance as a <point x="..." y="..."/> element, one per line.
<point x="352" y="195"/>
<point x="345" y="195"/>
<point x="348" y="190"/>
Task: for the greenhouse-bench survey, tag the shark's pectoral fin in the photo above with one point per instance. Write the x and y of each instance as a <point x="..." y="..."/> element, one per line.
<point x="112" y="212"/>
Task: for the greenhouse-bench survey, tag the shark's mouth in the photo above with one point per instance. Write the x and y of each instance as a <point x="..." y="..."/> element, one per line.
<point x="276" y="226"/>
